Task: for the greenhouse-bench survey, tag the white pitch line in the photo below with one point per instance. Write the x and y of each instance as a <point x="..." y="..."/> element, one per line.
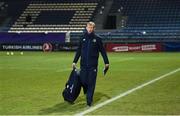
<point x="125" y="93"/>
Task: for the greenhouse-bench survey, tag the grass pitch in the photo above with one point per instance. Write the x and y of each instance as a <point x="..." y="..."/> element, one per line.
<point x="32" y="83"/>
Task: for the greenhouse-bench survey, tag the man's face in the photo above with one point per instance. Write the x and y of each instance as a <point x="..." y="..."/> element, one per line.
<point x="89" y="28"/>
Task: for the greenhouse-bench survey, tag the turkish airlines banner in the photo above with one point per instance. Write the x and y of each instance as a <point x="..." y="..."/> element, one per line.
<point x="133" y="47"/>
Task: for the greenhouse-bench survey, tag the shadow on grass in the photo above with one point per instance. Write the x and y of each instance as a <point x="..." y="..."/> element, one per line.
<point x="79" y="105"/>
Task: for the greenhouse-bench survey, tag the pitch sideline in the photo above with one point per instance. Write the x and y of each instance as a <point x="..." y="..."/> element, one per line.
<point x="125" y="93"/>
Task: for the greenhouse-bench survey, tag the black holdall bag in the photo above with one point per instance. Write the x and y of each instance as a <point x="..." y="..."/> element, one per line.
<point x="72" y="87"/>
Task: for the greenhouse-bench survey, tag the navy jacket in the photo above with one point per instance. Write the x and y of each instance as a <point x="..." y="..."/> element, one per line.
<point x="89" y="47"/>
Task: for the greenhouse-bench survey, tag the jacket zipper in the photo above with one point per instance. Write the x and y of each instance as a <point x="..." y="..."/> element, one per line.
<point x="87" y="56"/>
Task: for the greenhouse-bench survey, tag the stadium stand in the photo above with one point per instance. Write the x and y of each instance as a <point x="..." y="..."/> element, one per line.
<point x="55" y="16"/>
<point x="140" y="20"/>
<point x="13" y="11"/>
<point x="144" y="20"/>
<point x="149" y="13"/>
<point x="3" y="10"/>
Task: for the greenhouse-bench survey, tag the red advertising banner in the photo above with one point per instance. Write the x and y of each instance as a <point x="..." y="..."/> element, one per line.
<point x="133" y="47"/>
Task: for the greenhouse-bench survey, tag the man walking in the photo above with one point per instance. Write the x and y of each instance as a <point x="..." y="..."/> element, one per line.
<point x="89" y="47"/>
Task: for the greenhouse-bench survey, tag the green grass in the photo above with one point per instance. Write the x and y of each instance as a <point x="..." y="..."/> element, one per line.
<point x="32" y="84"/>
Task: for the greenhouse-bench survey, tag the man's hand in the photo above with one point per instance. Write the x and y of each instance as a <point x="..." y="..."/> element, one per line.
<point x="105" y="69"/>
<point x="74" y="65"/>
<point x="106" y="66"/>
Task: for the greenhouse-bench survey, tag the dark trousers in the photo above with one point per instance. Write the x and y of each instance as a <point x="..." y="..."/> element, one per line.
<point x="88" y="82"/>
